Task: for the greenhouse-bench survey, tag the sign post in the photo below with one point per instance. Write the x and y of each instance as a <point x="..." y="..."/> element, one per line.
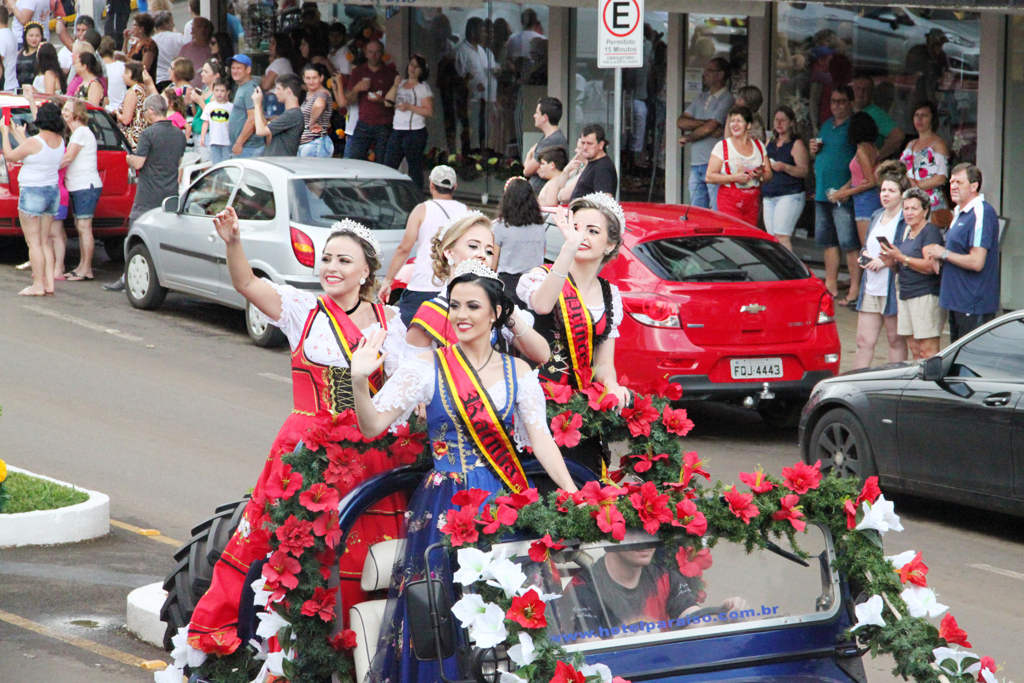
<point x="620" y="44"/>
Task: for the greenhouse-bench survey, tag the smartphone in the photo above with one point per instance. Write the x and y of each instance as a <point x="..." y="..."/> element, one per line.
<point x="864" y="260"/>
<point x="884" y="242"/>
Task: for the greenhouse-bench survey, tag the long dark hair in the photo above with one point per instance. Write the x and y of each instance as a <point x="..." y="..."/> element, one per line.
<point x="495" y="290"/>
<point x="225" y="46"/>
<point x="284" y="47"/>
<point x="519" y="205"/>
<point x="46" y="60"/>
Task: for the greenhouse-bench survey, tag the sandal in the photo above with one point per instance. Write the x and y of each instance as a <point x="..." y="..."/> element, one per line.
<point x="75" y="277"/>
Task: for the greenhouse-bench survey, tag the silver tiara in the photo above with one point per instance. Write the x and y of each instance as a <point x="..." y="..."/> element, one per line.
<point x="474" y="267"/>
<point x="455" y="219"/>
<point x="608" y="202"/>
<point x="359" y="230"/>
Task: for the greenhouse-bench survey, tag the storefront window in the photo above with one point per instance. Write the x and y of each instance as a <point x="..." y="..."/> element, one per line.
<point x="643" y="117"/>
<point x="593" y="89"/>
<point x="1012" y="252"/>
<point x="911" y="54"/>
<point x="488" y="66"/>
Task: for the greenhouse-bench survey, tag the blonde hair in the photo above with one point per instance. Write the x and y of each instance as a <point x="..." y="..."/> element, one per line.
<point x="79" y="111"/>
<point x="439" y="261"/>
<point x="82" y="46"/>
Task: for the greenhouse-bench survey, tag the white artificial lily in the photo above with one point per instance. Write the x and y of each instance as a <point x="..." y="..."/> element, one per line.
<point x="506" y="575"/>
<point x="183" y="653"/>
<point x="470" y="608"/>
<point x="601" y="670"/>
<point x="881" y="517"/>
<point x="988" y="677"/>
<point x="548" y="597"/>
<point x="921" y="601"/>
<point x="524" y="653"/>
<point x="270" y="623"/>
<point x="958" y="657"/>
<point x="507" y="677"/>
<point x="171" y="674"/>
<point x="489" y="628"/>
<point x="869" y="613"/>
<point x="260" y="649"/>
<point x="262" y="597"/>
<point x="898" y="561"/>
<point x="472" y="563"/>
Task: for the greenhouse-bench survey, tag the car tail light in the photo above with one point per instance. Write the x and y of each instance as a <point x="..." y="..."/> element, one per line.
<point x="653" y="311"/>
<point x="303" y="248"/>
<point x="826" y="309"/>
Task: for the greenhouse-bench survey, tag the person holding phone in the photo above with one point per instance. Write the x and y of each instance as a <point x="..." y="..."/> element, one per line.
<point x="876" y="301"/>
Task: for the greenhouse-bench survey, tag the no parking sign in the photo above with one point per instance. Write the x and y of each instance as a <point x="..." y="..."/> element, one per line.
<point x="620" y="35"/>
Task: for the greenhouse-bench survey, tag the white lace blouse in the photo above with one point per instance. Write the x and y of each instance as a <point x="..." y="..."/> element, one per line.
<point x="413" y="384"/>
<point x="321" y="346"/>
<point x="531" y="282"/>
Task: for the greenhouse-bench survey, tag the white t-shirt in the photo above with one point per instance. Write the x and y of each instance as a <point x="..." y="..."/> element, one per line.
<point x="472" y="59"/>
<point x="281" y="66"/>
<point x="518" y="44"/>
<point x="65" y="58"/>
<point x="170" y="44"/>
<point x="876" y="283"/>
<point x="115" y="82"/>
<point x="187" y="31"/>
<point x="9" y="53"/>
<point x="40" y="13"/>
<point x="339" y="58"/>
<point x="407" y="120"/>
<point x="218" y="114"/>
<point x="81" y="173"/>
<point x="739" y="163"/>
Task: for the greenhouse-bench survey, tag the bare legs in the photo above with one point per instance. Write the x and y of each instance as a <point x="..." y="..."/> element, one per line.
<point x="40" y="253"/>
<point x="923" y="348"/>
<point x="855" y="271"/>
<point x="869" y="327"/>
<point x="86" y="247"/>
<point x="59" y="241"/>
<point x="786" y="241"/>
<point x="832" y="270"/>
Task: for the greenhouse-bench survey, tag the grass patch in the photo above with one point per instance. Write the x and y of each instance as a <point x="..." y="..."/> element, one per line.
<point x="27" y="494"/>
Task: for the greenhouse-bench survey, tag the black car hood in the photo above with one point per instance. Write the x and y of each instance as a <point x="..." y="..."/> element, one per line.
<point x="891" y="371"/>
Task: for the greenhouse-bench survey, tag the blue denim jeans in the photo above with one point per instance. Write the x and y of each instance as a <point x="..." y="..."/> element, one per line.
<point x="357" y="145"/>
<point x="322" y="147"/>
<point x="250" y="152"/>
<point x="409" y="144"/>
<point x="834" y="226"/>
<point x="702" y="193"/>
<point x="219" y="153"/>
<point x="35" y="201"/>
<point x="410" y="303"/>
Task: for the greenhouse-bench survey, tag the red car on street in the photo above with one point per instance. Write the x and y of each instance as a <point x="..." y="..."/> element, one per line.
<point x="110" y="223"/>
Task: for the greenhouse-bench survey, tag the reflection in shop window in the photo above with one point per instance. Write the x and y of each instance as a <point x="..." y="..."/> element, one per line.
<point x="911" y="55"/>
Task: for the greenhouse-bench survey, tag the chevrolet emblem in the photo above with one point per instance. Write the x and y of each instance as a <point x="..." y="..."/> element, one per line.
<point x="752" y="308"/>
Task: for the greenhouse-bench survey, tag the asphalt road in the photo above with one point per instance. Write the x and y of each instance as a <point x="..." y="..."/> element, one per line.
<point x="172" y="412"/>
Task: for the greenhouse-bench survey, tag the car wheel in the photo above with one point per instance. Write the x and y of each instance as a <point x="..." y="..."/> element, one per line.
<point x="141" y="282"/>
<point x="841" y="444"/>
<point x="114" y="246"/>
<point x="780" y="413"/>
<point x="260" y="331"/>
<point x="193" y="566"/>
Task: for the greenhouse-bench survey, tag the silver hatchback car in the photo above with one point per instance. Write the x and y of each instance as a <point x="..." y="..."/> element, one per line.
<point x="285" y="207"/>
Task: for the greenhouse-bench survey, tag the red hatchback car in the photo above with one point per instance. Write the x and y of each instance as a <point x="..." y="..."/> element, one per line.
<point x="110" y="223"/>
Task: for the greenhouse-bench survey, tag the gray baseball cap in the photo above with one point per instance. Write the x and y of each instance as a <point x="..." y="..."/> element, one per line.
<point x="444" y="176"/>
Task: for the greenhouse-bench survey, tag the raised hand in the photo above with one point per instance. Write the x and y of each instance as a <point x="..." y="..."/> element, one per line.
<point x="367" y="356"/>
<point x="567" y="226"/>
<point x="226" y="223"/>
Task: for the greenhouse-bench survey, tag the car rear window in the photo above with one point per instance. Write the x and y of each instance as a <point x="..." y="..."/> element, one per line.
<point x="720" y="258"/>
<point x="377" y="203"/>
<point x="108" y="136"/>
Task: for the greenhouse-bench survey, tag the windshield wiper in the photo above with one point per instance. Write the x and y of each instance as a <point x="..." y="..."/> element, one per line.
<point x="733" y="274"/>
<point x="781" y="552"/>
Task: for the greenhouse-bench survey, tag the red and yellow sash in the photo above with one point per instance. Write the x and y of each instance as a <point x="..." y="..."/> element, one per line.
<point x="348" y="335"/>
<point x="432" y="316"/>
<point x="480" y="418"/>
<point x="578" y="326"/>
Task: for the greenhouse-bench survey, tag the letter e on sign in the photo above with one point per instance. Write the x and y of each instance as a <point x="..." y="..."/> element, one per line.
<point x="620" y="36"/>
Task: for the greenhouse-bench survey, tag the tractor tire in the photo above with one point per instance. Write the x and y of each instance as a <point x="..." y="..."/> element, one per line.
<point x="193" y="566"/>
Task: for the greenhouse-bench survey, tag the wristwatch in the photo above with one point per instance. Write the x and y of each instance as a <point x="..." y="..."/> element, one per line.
<point x="906" y="261"/>
<point x="945" y="255"/>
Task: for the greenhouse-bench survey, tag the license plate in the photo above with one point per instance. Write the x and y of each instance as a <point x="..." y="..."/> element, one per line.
<point x="756" y="368"/>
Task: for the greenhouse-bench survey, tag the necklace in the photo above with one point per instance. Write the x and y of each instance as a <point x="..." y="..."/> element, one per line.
<point x="478" y="369"/>
<point x="353" y="309"/>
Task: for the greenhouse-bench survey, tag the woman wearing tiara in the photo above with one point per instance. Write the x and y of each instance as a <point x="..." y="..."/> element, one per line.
<point x="579" y="312"/>
<point x="323" y="332"/>
<point x="468" y="236"/>
<point x="483" y="410"/>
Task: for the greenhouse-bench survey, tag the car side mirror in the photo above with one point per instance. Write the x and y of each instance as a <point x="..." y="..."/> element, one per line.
<point x="931" y="369"/>
<point x="170" y="204"/>
<point x="430" y="619"/>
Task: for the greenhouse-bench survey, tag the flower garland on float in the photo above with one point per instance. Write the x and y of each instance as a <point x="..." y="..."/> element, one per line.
<point x="659" y="490"/>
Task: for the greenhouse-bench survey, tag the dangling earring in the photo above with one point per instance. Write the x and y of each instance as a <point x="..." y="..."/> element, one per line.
<point x="362" y="280"/>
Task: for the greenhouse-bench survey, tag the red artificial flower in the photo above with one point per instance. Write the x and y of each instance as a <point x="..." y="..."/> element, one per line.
<point x="644" y="461"/>
<point x="318" y="433"/>
<point x="540" y="550"/>
<point x="616" y="476"/>
<point x="519" y="500"/>
<point x="563" y="498"/>
<point x="801" y="478"/>
<point x="593" y="493"/>
<point x="791" y="512"/>
<point x="690" y="518"/>
<point x="741" y="505"/>
<point x="528" y="610"/>
<point x="460" y="525"/>
<point x="676" y="421"/>
<point x="406" y="446"/>
<point x="870" y="492"/>
<point x="344" y="468"/>
<point x="282" y="482"/>
<point x="986" y="663"/>
<point x="494" y="520"/>
<point x="692" y="465"/>
<point x="598" y="397"/>
<point x="470" y="498"/>
<point x="281" y="569"/>
<point x="640" y="416"/>
<point x="652" y="506"/>
<point x="344" y="640"/>
<point x="693" y="562"/>
<point x="565" y="673"/>
<point x="757" y="481"/>
<point x="619" y="679"/>
<point x="346" y="427"/>
<point x="326" y="558"/>
<point x="915" y="572"/>
<point x="584" y="377"/>
<point x="559" y="393"/>
<point x="220" y="643"/>
<point x="565" y="428"/>
<point x="610" y="521"/>
<point x="851" y="513"/>
<point x="326" y="525"/>
<point x="321" y="604"/>
<point x="294" y="535"/>
<point x="954" y="635"/>
<point x="673" y="391"/>
<point x="319" y="497"/>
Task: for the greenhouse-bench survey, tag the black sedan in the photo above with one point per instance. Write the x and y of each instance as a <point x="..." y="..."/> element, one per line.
<point x="949" y="428"/>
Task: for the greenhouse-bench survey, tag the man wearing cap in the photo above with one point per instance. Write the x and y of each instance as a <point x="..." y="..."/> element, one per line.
<point x="423" y="223"/>
<point x="242" y="124"/>
<point x="929" y="64"/>
<point x="367" y="85"/>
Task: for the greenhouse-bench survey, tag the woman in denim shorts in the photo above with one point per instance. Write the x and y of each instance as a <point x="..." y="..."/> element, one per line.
<point x="83" y="182"/>
<point x="39" y="199"/>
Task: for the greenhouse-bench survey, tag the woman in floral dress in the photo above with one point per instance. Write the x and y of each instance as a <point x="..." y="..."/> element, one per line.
<point x="927" y="157"/>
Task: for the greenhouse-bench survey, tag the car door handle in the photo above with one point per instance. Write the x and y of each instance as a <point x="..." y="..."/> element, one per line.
<point x="997" y="400"/>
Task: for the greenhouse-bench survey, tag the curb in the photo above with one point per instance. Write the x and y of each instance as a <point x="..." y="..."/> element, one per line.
<point x="70" y="524"/>
<point x="144" y="614"/>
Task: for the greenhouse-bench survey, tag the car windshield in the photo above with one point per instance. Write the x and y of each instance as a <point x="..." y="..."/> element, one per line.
<point x="108" y="137"/>
<point x="634" y="592"/>
<point x="377" y="203"/>
<point x="720" y="258"/>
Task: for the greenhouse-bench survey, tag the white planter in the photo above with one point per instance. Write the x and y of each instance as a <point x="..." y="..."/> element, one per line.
<point x="70" y="524"/>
